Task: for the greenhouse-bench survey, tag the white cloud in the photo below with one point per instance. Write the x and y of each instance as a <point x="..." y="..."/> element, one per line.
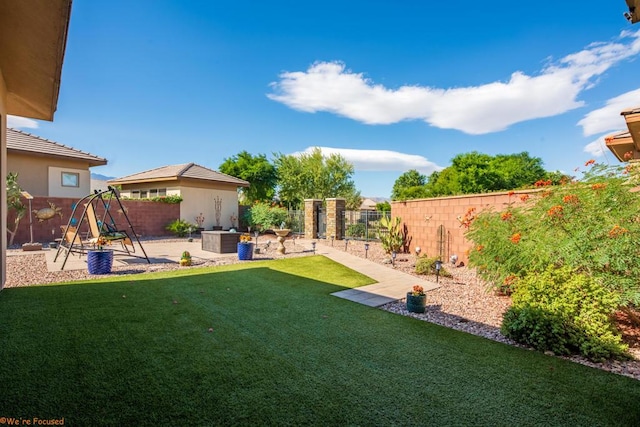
<point x="608" y="118"/>
<point x="330" y="87"/>
<point x="18" y="122"/>
<point x="596" y="148"/>
<point x="379" y="160"/>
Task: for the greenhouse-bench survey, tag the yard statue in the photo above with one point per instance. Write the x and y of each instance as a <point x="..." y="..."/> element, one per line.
<point x="45" y="214"/>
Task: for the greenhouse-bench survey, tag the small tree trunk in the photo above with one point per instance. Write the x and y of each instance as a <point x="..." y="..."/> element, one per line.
<point x="633" y="316"/>
<point x="12" y="234"/>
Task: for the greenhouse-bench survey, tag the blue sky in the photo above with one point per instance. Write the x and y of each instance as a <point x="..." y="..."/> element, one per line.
<point x="390" y="85"/>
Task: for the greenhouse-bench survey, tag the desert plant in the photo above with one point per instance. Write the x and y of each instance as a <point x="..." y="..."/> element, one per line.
<point x="392" y="238"/>
<point x="185" y="259"/>
<point x="590" y="225"/>
<point x="427" y="265"/>
<point x="180" y="227"/>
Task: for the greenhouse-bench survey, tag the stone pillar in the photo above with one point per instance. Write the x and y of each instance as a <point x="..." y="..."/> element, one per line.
<point x="335" y="212"/>
<point x="310" y="218"/>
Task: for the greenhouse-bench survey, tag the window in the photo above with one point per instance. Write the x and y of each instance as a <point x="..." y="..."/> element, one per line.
<point x="160" y="192"/>
<point x="70" y="179"/>
<point x="143" y="194"/>
<point x="135" y="194"/>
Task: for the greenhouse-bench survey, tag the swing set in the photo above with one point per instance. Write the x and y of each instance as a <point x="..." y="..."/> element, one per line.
<point x="96" y="211"/>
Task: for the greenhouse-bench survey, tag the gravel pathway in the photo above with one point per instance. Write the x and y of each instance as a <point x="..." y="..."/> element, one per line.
<point x="462" y="301"/>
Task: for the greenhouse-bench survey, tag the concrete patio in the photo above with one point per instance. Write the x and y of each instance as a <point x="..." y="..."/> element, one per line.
<point x="392" y="285"/>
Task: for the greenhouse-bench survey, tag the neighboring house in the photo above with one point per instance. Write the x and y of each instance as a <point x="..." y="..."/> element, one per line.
<point x="203" y="191"/>
<point x="368" y="205"/>
<point x="47" y="168"/>
<point x="33" y="37"/>
<point x="625" y="145"/>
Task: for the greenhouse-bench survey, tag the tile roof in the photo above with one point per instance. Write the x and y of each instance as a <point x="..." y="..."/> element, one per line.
<point x="18" y="140"/>
<point x="629" y="111"/>
<point x="185" y="170"/>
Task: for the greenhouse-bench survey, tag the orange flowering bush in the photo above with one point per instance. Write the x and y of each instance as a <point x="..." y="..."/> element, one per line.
<point x="506" y="216"/>
<point x="589" y="226"/>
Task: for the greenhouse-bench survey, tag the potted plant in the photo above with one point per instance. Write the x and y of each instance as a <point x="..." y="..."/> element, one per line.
<point x="185" y="260"/>
<point x="100" y="260"/>
<point x="245" y="247"/>
<point x="416" y="300"/>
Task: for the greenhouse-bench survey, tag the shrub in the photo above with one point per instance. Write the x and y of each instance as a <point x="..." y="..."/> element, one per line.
<point x="180" y="227"/>
<point x="356" y="230"/>
<point x="170" y="200"/>
<point x="590" y="225"/>
<point x="564" y="311"/>
<point x="427" y="265"/>
<point x="264" y="216"/>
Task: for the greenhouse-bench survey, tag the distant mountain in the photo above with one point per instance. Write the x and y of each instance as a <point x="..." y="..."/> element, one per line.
<point x="101" y="177"/>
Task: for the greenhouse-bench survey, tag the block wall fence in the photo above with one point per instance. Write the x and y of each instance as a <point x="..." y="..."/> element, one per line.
<point x="147" y="218"/>
<point x="435" y="224"/>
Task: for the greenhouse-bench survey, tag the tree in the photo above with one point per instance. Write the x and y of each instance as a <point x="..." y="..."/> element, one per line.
<point x="257" y="170"/>
<point x="14" y="192"/>
<point x="383" y="207"/>
<point x="474" y="173"/>
<point x="314" y="176"/>
<point x="409" y="185"/>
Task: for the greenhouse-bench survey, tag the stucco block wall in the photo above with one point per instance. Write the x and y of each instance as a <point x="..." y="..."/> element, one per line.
<point x="424" y="218"/>
<point x="147" y="218"/>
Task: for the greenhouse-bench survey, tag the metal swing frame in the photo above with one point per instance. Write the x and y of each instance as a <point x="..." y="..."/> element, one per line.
<point x="71" y="234"/>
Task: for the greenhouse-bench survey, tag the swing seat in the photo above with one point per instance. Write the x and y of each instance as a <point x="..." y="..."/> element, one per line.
<point x="110" y="233"/>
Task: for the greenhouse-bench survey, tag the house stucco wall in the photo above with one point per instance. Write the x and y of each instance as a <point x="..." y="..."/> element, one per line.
<point x="3" y="173"/>
<point x="202" y="200"/>
<point x="41" y="176"/>
<point x="197" y="197"/>
<point x="56" y="189"/>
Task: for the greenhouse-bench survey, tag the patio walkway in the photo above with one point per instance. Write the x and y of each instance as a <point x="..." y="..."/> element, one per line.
<point x="391" y="285"/>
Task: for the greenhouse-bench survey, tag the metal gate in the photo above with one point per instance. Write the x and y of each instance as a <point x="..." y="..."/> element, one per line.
<point x="321" y="223"/>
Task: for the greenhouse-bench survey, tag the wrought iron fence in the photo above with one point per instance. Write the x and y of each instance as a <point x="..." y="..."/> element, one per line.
<point x="296" y="221"/>
<point x="363" y="225"/>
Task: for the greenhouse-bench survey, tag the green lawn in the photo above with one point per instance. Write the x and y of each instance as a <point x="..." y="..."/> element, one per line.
<point x="137" y="350"/>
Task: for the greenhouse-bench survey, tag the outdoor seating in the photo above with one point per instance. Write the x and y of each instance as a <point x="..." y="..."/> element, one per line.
<point x="101" y="229"/>
<point x="72" y="241"/>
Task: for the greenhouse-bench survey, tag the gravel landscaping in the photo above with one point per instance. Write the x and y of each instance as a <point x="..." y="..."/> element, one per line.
<point x="462" y="302"/>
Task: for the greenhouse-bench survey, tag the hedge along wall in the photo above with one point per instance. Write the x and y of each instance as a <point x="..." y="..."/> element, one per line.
<point x="148" y="218"/>
<point x="435" y="225"/>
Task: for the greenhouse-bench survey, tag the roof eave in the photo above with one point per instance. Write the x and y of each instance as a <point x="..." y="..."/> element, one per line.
<point x="33" y="38"/>
<point x="91" y="162"/>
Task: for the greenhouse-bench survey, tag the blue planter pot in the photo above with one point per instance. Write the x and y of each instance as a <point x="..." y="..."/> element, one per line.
<point x="416" y="304"/>
<point x="245" y="251"/>
<point x="100" y="262"/>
